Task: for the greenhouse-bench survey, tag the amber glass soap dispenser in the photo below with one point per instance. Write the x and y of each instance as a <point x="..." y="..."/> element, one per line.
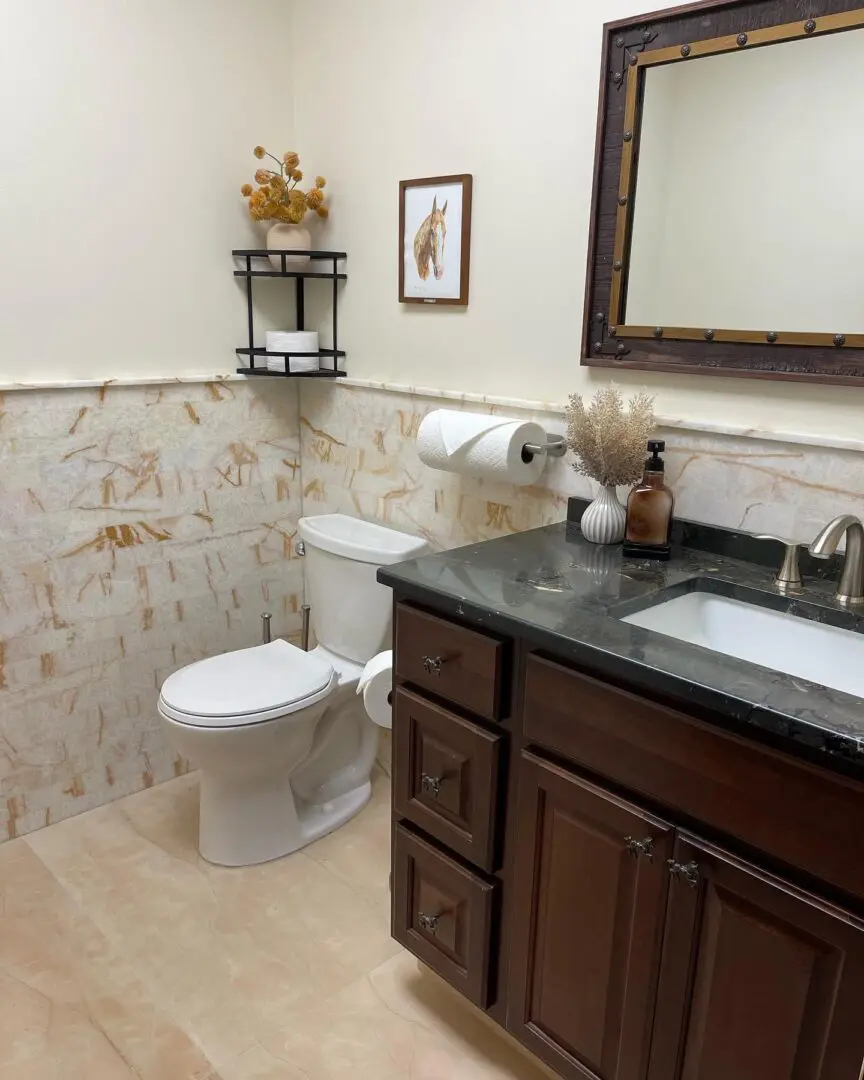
<point x="649" y="510"/>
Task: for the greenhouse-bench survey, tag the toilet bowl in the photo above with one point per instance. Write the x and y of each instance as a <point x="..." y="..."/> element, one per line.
<point x="281" y="738"/>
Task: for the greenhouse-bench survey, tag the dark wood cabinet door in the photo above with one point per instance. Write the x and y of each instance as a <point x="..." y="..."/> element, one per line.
<point x="443" y="914"/>
<point x="590" y="880"/>
<point x="460" y="665"/>
<point x="445" y="776"/>
<point x="759" y="981"/>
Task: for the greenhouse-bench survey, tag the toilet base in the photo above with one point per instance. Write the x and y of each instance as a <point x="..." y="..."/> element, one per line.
<point x="244" y="823"/>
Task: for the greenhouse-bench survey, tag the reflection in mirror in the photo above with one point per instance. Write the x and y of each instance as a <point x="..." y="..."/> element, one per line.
<point x="749" y="205"/>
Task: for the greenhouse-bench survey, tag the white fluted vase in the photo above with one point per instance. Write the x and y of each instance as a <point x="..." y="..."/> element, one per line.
<point x="605" y="518"/>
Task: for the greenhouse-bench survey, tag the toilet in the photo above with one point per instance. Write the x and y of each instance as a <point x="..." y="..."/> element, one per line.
<point x="284" y="746"/>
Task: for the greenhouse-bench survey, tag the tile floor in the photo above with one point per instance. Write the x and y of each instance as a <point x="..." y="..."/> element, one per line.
<point x="124" y="956"/>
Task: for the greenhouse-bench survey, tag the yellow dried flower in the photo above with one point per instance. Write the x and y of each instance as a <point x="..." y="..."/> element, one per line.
<point x="259" y="152"/>
<point x="322" y="212"/>
<point x="320" y="182"/>
<point x="246" y="190"/>
<point x="291" y="160"/>
<point x="295" y="195"/>
<point x="314" y="199"/>
<point x="277" y="183"/>
<point x="257" y="198"/>
<point x="296" y="175"/>
<point x="262" y="176"/>
<point x="296" y="213"/>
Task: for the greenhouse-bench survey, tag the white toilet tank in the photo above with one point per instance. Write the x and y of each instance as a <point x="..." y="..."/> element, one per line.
<point x="350" y="610"/>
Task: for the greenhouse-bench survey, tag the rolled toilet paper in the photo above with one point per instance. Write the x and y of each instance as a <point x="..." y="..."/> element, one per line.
<point x="376" y="686"/>
<point x="474" y="444"/>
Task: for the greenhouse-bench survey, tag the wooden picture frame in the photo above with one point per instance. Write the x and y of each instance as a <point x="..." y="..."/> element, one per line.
<point x="683" y="34"/>
<point x="426" y="242"/>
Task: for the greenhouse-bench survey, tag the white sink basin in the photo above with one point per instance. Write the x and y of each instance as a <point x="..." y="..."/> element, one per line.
<point x="822" y="654"/>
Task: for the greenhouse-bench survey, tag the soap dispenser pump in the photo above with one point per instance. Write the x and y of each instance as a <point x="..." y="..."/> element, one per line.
<point x="649" y="510"/>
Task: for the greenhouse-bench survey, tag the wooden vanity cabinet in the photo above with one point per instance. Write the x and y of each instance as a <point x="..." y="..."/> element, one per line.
<point x="759" y="980"/>
<point x="611" y="939"/>
<point x="587" y="924"/>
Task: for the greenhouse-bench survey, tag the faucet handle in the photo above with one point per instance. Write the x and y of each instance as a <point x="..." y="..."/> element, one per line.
<point x="789" y="574"/>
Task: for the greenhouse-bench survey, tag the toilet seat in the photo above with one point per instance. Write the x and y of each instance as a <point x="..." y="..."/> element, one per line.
<point x="246" y="687"/>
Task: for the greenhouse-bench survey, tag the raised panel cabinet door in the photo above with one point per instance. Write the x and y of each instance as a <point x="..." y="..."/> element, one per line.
<point x="445" y="776"/>
<point x="443" y="913"/>
<point x="590" y="882"/>
<point x="759" y="980"/>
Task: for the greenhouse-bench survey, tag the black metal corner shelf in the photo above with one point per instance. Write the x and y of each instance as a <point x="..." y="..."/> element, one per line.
<point x="299" y="277"/>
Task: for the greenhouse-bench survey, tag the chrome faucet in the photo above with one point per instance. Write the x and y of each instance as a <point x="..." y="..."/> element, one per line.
<point x="850" y="588"/>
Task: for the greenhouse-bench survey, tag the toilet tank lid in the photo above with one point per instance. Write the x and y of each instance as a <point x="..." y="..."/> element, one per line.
<point x="364" y="541"/>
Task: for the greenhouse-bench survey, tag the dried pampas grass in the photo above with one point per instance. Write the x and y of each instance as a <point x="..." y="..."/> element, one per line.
<point x="607" y="441"/>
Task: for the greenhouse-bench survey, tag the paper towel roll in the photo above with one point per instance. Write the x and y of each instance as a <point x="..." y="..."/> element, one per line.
<point x="376" y="685"/>
<point x="475" y="444"/>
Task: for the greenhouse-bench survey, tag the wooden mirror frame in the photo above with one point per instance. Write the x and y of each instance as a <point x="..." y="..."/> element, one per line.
<point x="630" y="48"/>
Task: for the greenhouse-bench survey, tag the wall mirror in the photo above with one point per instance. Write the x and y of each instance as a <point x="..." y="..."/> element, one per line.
<point x="728" y="215"/>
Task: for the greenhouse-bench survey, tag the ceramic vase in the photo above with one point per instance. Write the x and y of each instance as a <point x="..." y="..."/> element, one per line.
<point x="605" y="518"/>
<point x="293" y="237"/>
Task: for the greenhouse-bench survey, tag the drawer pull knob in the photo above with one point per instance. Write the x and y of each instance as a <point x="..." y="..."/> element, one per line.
<point x="430" y="784"/>
<point x="688" y="872"/>
<point x="432" y="665"/>
<point x="429" y="923"/>
<point x="640" y="847"/>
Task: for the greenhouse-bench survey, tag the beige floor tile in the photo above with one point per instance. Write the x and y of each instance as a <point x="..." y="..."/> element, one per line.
<point x="228" y="953"/>
<point x="397" y="1023"/>
<point x="358" y="854"/>
<point x="260" y="1064"/>
<point x="124" y="956"/>
<point x="72" y="1008"/>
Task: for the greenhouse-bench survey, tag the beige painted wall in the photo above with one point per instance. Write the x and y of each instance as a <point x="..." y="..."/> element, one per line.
<point x="506" y="90"/>
<point x="127" y="131"/>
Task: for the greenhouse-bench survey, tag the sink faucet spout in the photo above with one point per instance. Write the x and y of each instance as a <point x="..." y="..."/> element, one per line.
<point x="850" y="588"/>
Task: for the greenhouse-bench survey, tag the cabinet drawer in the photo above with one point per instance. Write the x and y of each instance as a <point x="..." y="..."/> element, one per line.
<point x="445" y="776"/>
<point x="461" y="665"/>
<point x="442" y="913"/>
<point x="789" y="809"/>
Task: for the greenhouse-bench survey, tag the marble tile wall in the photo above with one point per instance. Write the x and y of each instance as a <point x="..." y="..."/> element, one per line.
<point x="358" y="453"/>
<point x="141" y="528"/>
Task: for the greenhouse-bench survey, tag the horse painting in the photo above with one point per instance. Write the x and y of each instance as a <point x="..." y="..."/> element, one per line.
<point x="429" y="243"/>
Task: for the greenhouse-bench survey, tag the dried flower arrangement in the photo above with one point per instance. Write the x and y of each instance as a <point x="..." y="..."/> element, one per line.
<point x="278" y="198"/>
<point x="609" y="443"/>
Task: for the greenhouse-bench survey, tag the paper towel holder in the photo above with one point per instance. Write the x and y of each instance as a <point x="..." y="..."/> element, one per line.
<point x="555" y="446"/>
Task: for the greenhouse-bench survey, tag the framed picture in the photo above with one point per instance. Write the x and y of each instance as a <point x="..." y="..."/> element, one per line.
<point x="434" y="240"/>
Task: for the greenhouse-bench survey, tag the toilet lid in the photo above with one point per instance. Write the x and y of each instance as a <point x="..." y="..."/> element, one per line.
<point x="246" y="686"/>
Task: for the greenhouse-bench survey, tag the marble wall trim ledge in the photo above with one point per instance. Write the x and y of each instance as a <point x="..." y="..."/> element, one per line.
<point x="6" y="386"/>
<point x="493" y="403"/>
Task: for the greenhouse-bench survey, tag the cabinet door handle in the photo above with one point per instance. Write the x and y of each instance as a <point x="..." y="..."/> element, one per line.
<point x="640" y="847"/>
<point x="428" y="922"/>
<point x="430" y="784"/>
<point x="688" y="872"/>
<point x="432" y="665"/>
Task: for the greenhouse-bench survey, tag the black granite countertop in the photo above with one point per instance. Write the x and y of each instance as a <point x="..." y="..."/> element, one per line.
<point x="562" y="594"/>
